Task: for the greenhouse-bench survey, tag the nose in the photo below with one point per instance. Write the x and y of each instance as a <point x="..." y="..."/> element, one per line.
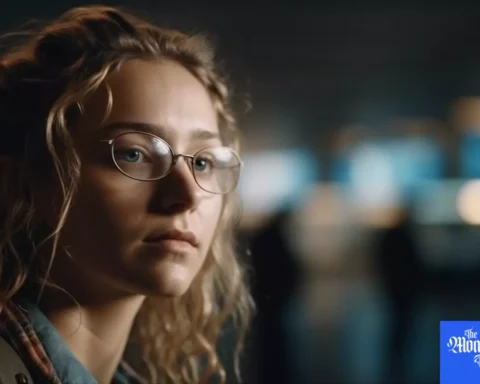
<point x="178" y="191"/>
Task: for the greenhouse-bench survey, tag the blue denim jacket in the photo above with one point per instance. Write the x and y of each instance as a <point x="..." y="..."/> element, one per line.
<point x="40" y="346"/>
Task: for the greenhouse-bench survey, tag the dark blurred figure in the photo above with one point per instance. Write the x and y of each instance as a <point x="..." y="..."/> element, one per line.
<point x="276" y="276"/>
<point x="401" y="274"/>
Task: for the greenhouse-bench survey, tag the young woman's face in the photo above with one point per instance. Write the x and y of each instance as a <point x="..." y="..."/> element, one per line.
<point x="131" y="236"/>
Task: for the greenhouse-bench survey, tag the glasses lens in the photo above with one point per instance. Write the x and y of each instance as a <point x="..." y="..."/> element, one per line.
<point x="142" y="156"/>
<point x="217" y="169"/>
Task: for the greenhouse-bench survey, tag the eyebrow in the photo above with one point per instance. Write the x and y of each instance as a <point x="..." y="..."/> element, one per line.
<point x="197" y="134"/>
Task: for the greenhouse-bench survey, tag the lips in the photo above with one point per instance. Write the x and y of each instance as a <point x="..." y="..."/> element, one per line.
<point x="174" y="235"/>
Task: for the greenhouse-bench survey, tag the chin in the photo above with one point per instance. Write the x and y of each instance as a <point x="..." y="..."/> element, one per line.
<point x="169" y="281"/>
<point x="170" y="292"/>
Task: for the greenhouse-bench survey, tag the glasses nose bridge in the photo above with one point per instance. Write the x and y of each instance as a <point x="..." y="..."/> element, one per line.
<point x="179" y="155"/>
<point x="188" y="159"/>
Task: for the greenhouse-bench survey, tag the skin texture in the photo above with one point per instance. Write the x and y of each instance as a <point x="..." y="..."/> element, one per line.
<point x="110" y="267"/>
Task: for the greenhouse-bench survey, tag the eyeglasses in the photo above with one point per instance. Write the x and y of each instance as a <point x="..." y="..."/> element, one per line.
<point x="146" y="157"/>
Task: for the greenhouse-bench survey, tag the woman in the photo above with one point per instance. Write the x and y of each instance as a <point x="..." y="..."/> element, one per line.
<point x="118" y="166"/>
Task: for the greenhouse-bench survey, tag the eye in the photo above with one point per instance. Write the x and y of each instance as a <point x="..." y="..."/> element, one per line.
<point x="203" y="165"/>
<point x="129" y="155"/>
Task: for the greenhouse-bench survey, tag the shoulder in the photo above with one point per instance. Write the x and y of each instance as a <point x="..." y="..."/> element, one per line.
<point x="21" y="347"/>
<point x="12" y="367"/>
<point x="12" y="364"/>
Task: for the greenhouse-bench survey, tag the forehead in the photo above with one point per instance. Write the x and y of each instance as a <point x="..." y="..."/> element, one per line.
<point x="155" y="94"/>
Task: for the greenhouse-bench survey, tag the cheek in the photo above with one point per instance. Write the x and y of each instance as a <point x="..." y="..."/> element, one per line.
<point x="210" y="213"/>
<point x="205" y="220"/>
<point x="107" y="213"/>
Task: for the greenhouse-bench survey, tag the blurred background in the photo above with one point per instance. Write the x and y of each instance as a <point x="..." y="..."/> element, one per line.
<point x="361" y="191"/>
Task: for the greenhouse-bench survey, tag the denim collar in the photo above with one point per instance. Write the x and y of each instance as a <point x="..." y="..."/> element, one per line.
<point x="67" y="367"/>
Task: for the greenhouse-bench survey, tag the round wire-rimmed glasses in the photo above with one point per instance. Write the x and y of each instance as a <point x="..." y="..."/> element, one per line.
<point x="146" y="157"/>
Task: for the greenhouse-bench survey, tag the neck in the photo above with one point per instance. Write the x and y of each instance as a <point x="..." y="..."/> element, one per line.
<point x="96" y="332"/>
